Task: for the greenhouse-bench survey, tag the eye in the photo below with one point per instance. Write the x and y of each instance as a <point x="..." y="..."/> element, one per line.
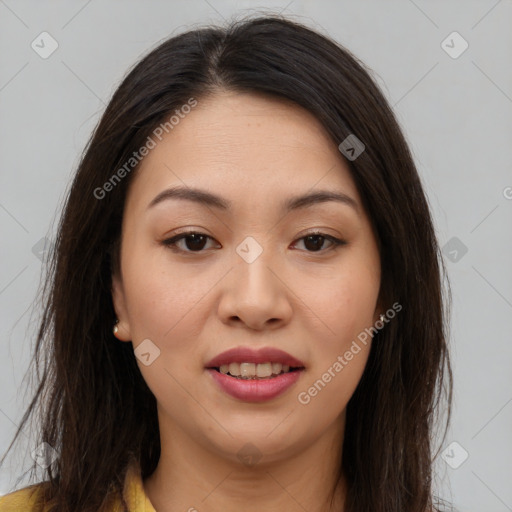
<point x="315" y="241"/>
<point x="195" y="242"/>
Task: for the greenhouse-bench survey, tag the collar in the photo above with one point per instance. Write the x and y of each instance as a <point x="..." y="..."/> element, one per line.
<point x="133" y="490"/>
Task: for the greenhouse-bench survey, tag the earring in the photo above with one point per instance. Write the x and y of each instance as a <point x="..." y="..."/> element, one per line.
<point x="115" y="330"/>
<point x="382" y="317"/>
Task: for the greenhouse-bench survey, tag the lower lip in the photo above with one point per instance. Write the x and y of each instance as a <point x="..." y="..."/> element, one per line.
<point x="255" y="390"/>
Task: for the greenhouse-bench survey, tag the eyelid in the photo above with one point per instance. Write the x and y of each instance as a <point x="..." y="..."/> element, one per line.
<point x="335" y="241"/>
<point x="171" y="242"/>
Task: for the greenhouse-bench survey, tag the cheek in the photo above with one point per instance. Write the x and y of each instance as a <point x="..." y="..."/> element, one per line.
<point x="347" y="308"/>
<point x="340" y="356"/>
<point x="165" y="306"/>
<point x="326" y="395"/>
<point x="163" y="300"/>
<point x="346" y="301"/>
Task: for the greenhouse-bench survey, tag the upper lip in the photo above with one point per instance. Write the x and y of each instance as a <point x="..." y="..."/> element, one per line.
<point x="250" y="355"/>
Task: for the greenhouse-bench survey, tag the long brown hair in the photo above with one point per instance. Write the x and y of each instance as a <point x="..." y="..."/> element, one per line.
<point x="96" y="409"/>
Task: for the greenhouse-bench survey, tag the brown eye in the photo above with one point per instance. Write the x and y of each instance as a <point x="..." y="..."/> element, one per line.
<point x="193" y="242"/>
<point x="314" y="242"/>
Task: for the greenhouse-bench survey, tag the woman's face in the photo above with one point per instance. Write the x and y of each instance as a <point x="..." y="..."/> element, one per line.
<point x="253" y="280"/>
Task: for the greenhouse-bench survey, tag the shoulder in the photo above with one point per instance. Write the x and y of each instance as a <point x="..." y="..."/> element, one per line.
<point x="32" y="497"/>
<point x="23" y="499"/>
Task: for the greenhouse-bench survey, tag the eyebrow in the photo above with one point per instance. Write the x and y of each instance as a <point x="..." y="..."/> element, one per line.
<point x="205" y="198"/>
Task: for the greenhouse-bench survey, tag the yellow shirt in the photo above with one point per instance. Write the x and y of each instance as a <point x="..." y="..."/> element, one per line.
<point x="133" y="493"/>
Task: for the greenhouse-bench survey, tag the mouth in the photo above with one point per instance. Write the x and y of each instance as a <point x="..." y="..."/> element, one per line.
<point x="253" y="375"/>
<point x="249" y="362"/>
<point x="255" y="371"/>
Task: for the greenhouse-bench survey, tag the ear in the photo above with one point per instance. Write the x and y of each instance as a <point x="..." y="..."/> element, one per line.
<point x="380" y="309"/>
<point x="119" y="300"/>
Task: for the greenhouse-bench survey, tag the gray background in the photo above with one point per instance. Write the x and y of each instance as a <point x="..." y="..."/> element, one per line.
<point x="455" y="112"/>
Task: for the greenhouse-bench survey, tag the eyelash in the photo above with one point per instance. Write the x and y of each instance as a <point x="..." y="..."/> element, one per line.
<point x="171" y="242"/>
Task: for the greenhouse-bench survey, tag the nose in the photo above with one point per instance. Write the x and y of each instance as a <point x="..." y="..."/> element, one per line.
<point x="256" y="294"/>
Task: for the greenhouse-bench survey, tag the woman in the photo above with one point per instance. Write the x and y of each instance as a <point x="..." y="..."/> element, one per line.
<point x="245" y="299"/>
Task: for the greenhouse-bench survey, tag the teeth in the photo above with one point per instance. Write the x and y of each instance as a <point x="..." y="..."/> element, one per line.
<point x="252" y="370"/>
<point x="264" y="370"/>
<point x="276" y="368"/>
<point x="234" y="368"/>
<point x="248" y="370"/>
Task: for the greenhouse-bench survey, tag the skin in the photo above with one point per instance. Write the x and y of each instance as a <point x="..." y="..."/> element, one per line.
<point x="255" y="152"/>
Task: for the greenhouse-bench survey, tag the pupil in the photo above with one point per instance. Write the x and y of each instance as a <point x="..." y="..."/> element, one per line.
<point x="317" y="245"/>
<point x="195" y="240"/>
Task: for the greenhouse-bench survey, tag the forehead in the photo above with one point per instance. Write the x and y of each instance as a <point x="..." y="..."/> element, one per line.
<point x="244" y="146"/>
